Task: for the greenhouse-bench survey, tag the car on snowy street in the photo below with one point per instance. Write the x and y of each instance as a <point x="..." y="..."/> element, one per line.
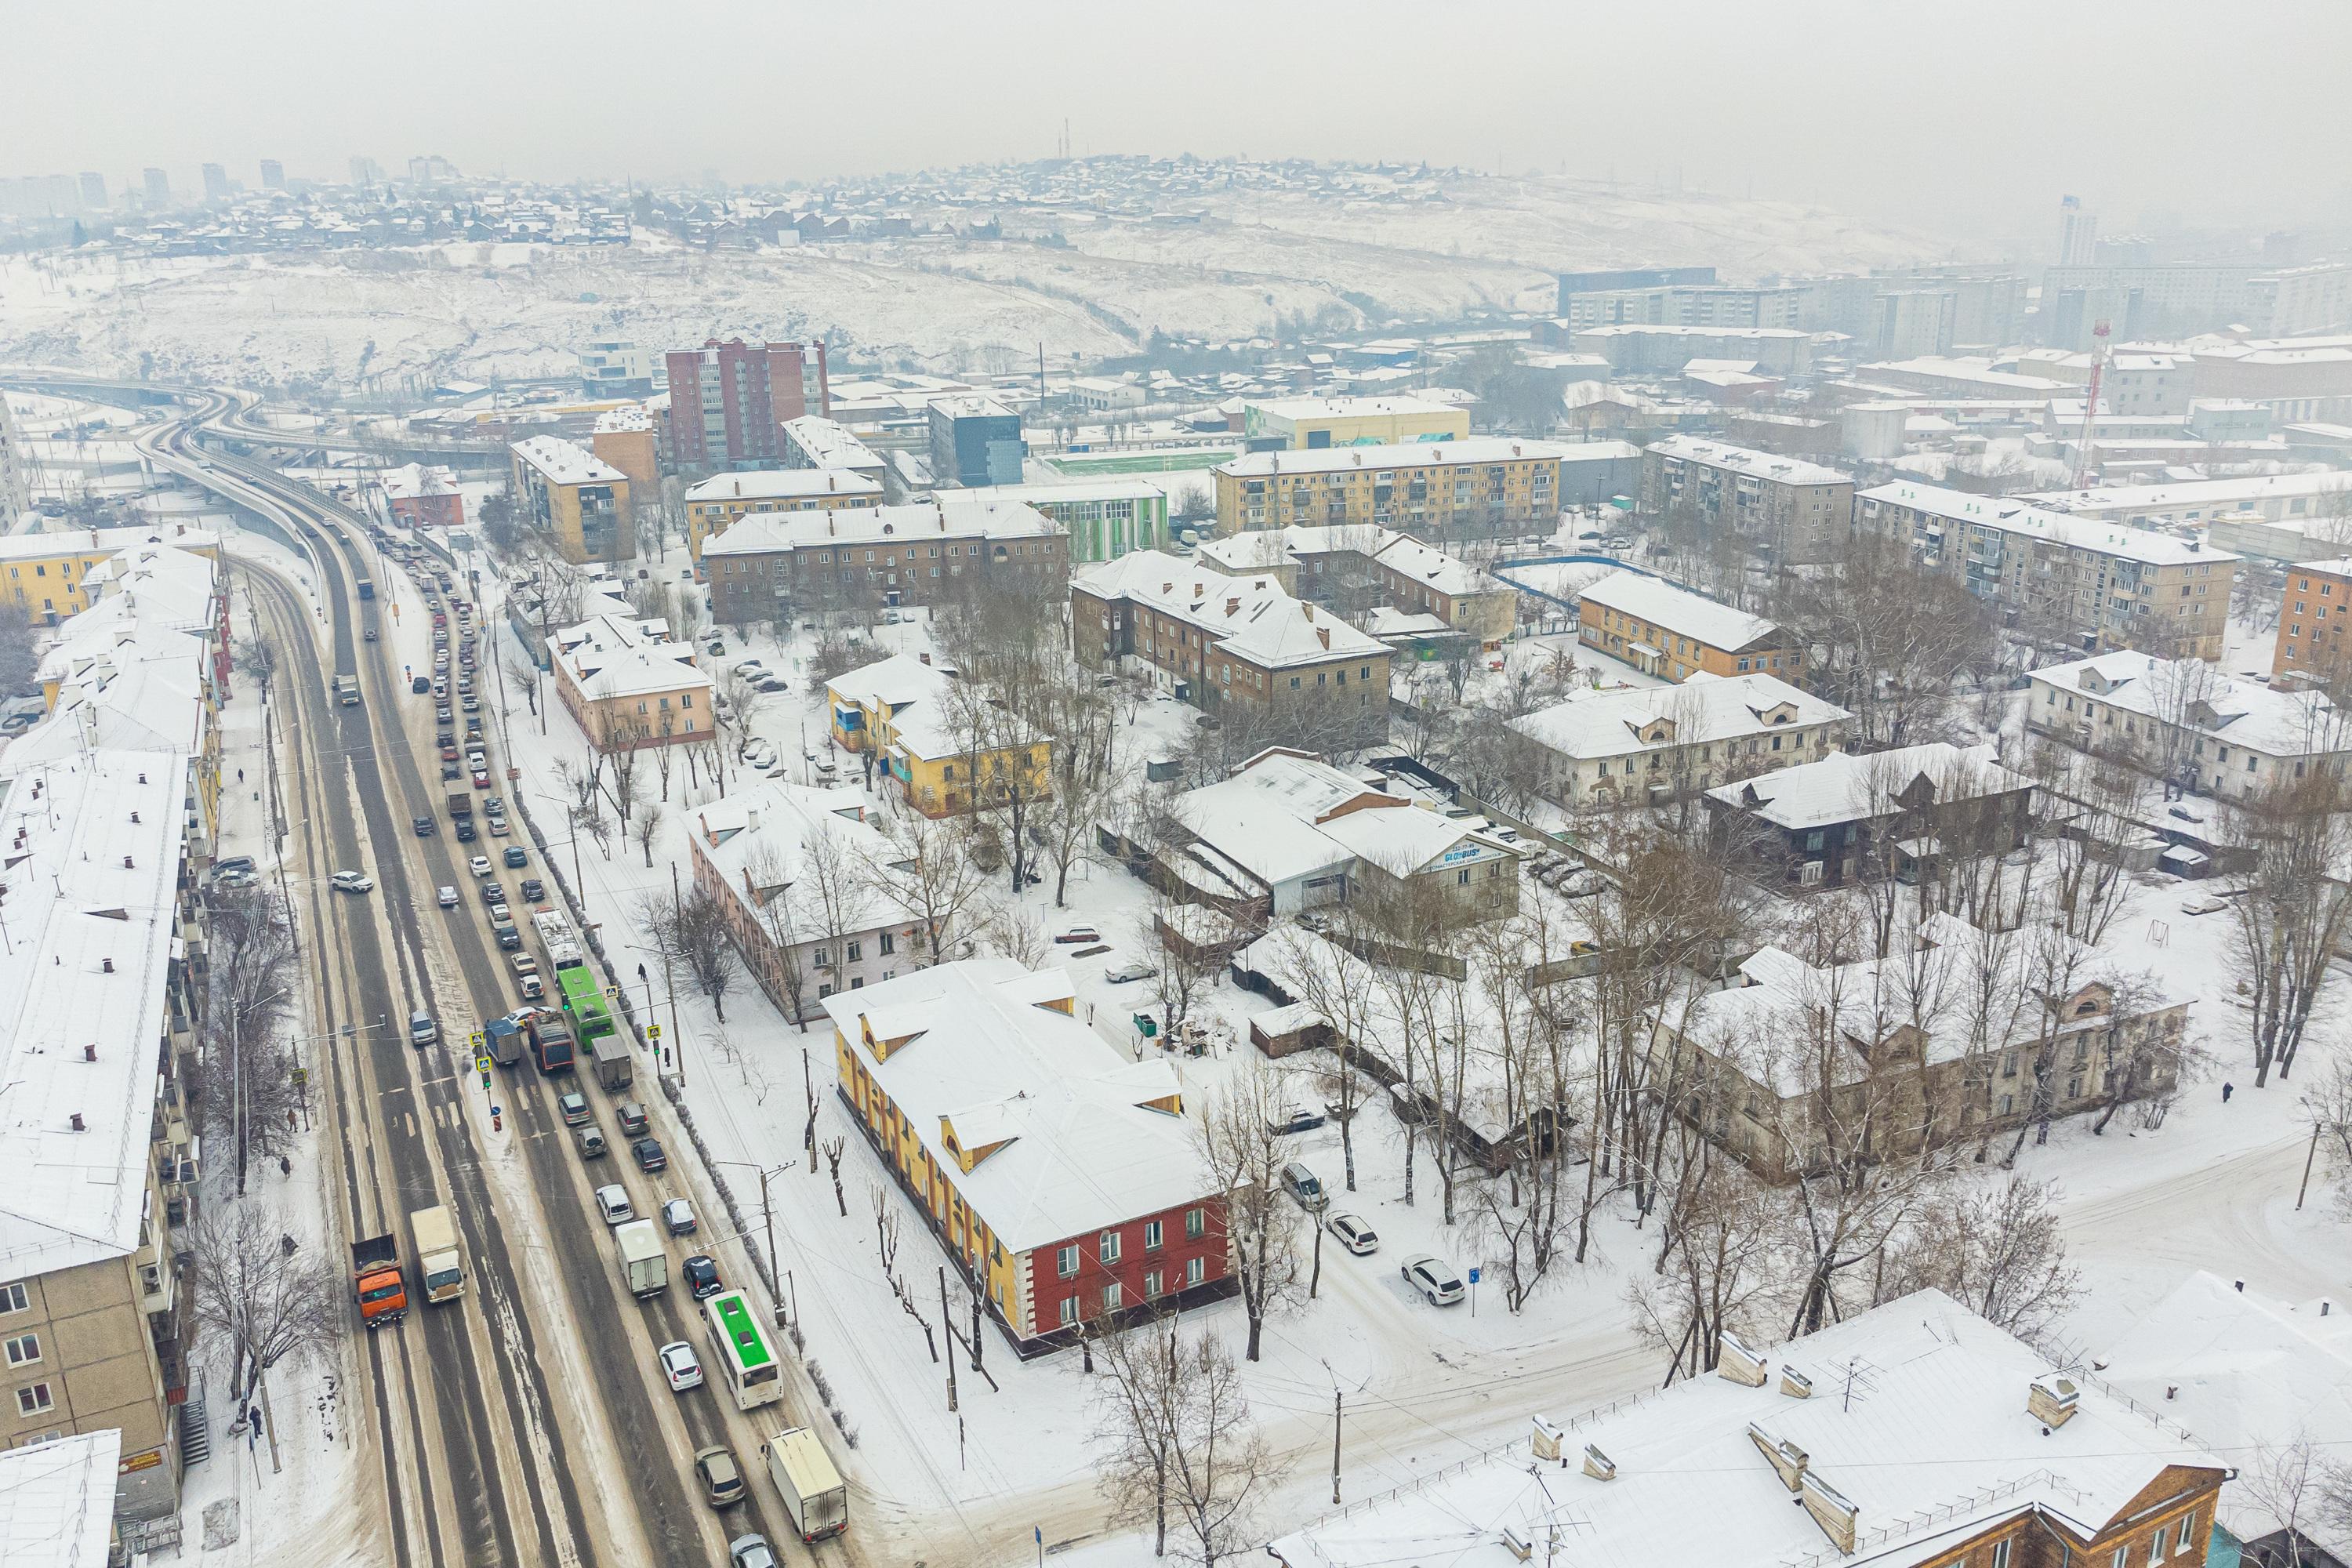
<point x="1353" y="1233"/>
<point x="681" y="1366"/>
<point x="1434" y="1277"/>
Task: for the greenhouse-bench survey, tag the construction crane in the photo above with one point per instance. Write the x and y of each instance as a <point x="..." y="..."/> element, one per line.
<point x="2082" y="475"/>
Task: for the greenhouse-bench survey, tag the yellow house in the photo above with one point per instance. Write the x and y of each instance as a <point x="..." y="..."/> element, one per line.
<point x="1308" y="423"/>
<point x="575" y="498"/>
<point x="897" y="712"/>
<point x="43" y="574"/>
<point x="719" y="500"/>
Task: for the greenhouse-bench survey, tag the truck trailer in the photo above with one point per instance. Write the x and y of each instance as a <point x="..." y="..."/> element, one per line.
<point x="613" y="1069"/>
<point x="644" y="1265"/>
<point x="438" y="1262"/>
<point x="814" y="1497"/>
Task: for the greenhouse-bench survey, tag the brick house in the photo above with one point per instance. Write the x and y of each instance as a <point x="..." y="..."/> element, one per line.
<point x="771" y="563"/>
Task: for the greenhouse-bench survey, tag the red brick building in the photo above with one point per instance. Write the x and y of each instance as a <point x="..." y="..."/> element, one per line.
<point x="727" y="399"/>
<point x="423" y="495"/>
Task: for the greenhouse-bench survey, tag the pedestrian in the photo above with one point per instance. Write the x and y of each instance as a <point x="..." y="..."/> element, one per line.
<point x="285" y="1166"/>
<point x="290" y="1125"/>
<point x="240" y="775"/>
<point x="2227" y="1091"/>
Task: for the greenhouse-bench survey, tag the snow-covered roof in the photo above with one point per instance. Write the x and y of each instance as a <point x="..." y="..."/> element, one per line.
<point x="960" y="516"/>
<point x="413" y="481"/>
<point x="620" y="656"/>
<point x="1917" y="1420"/>
<point x="38" y="544"/>
<point x="2207" y="495"/>
<point x="828" y="444"/>
<point x="1703" y="709"/>
<point x="619" y="421"/>
<point x="1286" y="815"/>
<point x="1769" y="465"/>
<point x="1297" y="408"/>
<point x="2244" y="1372"/>
<point x="1466" y="450"/>
<point x="565" y="462"/>
<point x="1250" y="616"/>
<point x="891" y="682"/>
<point x="91" y="899"/>
<point x="1082" y="1139"/>
<point x="760" y="841"/>
<point x="784" y="484"/>
<point x="1682" y="612"/>
<point x="2198" y="696"/>
<point x="2011" y="515"/>
<point x="57" y="1500"/>
<point x="1842" y="788"/>
<point x="1386" y="621"/>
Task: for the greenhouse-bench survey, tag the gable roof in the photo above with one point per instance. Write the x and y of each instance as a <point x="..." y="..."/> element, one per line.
<point x="1844" y="787"/>
<point x="1703" y="709"/>
<point x="1682" y="611"/>
<point x="1252" y="617"/>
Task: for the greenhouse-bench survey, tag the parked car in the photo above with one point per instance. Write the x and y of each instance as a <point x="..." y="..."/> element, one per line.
<point x="649" y="1154"/>
<point x="351" y="882"/>
<point x="236" y="878"/>
<point x="1434" y="1277"/>
<point x="1077" y="934"/>
<point x="1582" y="883"/>
<point x="613" y="1203"/>
<point x="701" y="1272"/>
<point x="516" y="855"/>
<point x="2203" y="905"/>
<point x="680" y="1367"/>
<point x="1304" y="1186"/>
<point x="420" y="684"/>
<point x="448" y="898"/>
<point x="1295" y="1119"/>
<point x="679" y="1216"/>
<point x="1128" y="971"/>
<point x="1353" y="1233"/>
<point x="234" y="863"/>
<point x="722" y="1480"/>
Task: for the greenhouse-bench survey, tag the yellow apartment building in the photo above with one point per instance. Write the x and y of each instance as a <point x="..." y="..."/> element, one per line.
<point x="1484" y="485"/>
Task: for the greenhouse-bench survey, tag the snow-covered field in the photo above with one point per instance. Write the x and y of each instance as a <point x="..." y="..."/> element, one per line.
<point x="1258" y="260"/>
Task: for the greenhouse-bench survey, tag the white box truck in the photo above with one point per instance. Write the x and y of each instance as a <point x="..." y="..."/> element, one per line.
<point x="642" y="1262"/>
<point x="437" y="1259"/>
<point x="814" y="1497"/>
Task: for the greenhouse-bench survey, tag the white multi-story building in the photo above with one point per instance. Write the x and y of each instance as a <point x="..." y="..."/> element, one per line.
<point x="2185" y="721"/>
<point x="1627" y="746"/>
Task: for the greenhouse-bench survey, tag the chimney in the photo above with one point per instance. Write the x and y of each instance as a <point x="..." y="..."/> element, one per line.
<point x="106" y="965"/>
<point x="1795" y="1384"/>
<point x="2051" y="1401"/>
<point x="126" y="862"/>
<point x="90" y="1053"/>
<point x="1788" y="1460"/>
<point x="1323" y="636"/>
<point x="1233" y="605"/>
<point x="1597" y="1465"/>
<point x="830" y="482"/>
<point x="75" y="1119"/>
<point x="1544" y="1438"/>
<point x="1520" y="1548"/>
<point x="752" y="820"/>
<point x="1309" y="610"/>
<point x="1831" y="1511"/>
<point x="1736" y="1361"/>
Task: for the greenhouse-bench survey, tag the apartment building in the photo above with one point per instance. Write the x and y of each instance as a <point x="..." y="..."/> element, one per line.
<point x="1664" y="630"/>
<point x="46" y="574"/>
<point x="2186" y="723"/>
<point x="625" y="437"/>
<point x="1310" y="423"/>
<point x="1890" y="814"/>
<point x="975" y="441"/>
<point x="1664" y="349"/>
<point x="784" y="862"/>
<point x="1216" y="641"/>
<point x="1360" y="570"/>
<point x="901" y="712"/>
<point x="717" y="502"/>
<point x="580" y="504"/>
<point x="728" y="400"/>
<point x="2064" y="1039"/>
<point x="16" y="472"/>
<point x="97" y="1045"/>
<point x="2315" y="604"/>
<point x="1913" y="1435"/>
<point x="628" y="685"/>
<point x="1477" y="486"/>
<point x="1685" y="305"/>
<point x="1059" y="1177"/>
<point x="2281" y="517"/>
<point x="2099" y="584"/>
<point x="859" y="558"/>
<point x="616" y="367"/>
<point x="1631" y="746"/>
<point x="812" y="441"/>
<point x="423" y="495"/>
<point x="1799" y="512"/>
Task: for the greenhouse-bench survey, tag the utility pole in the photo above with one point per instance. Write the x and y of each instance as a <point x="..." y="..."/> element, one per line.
<point x="947" y="1325"/>
<point x="1336" y="1397"/>
<point x="2309" y="1155"/>
<point x="768" y="1216"/>
<point x="669" y="980"/>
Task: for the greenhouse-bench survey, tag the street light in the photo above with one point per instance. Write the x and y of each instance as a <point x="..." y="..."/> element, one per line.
<point x="768" y="1215"/>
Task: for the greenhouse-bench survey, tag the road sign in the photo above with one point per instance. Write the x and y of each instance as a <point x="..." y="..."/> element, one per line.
<point x="612" y="992"/>
<point x="653" y="1031"/>
<point x="1473" y="1277"/>
<point x="482" y="1064"/>
<point x="475" y="1040"/>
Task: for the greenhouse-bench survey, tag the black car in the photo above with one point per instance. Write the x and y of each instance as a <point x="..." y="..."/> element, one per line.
<point x="445" y="738"/>
<point x="701" y="1272"/>
<point x="466" y="834"/>
<point x="649" y="1154"/>
<point x="425" y="826"/>
<point x="534" y="889"/>
<point x="493" y="894"/>
<point x="420" y="684"/>
<point x="508" y="938"/>
<point x="451" y="770"/>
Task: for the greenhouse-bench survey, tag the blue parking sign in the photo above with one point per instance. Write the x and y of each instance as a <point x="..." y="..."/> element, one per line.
<point x="1473" y="1277"/>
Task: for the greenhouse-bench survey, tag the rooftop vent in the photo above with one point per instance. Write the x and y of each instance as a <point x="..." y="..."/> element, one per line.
<point x="90" y="1052"/>
<point x="1597" y="1465"/>
<point x="76" y="1122"/>
<point x="2051" y="1400"/>
<point x="1788" y="1460"/>
<point x="1736" y="1361"/>
<point x="1544" y="1438"/>
<point x="1517" y="1544"/>
<point x="1830" y="1511"/>
<point x="1795" y="1384"/>
<point x="106" y="965"/>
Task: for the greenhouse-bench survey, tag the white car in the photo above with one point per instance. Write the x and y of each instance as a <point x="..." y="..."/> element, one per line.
<point x="1128" y="970"/>
<point x="681" y="1366"/>
<point x="1434" y="1277"/>
<point x="2201" y="905"/>
<point x="481" y="866"/>
<point x="448" y="898"/>
<point x="679" y="1216"/>
<point x="352" y="883"/>
<point x="1353" y="1233"/>
<point x="613" y="1203"/>
<point x="749" y="666"/>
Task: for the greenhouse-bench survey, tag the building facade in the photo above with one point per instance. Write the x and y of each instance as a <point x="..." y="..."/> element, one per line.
<point x="727" y="399"/>
<point x="865" y="558"/>
<point x="582" y="504"/>
<point x="1357" y="570"/>
<point x="1631" y="746"/>
<point x="628" y="685"/>
<point x="1799" y="512"/>
<point x="1105" y="518"/>
<point x="2315" y="604"/>
<point x="1309" y="424"/>
<point x="1460" y="488"/>
<point x="1891" y="813"/>
<point x="2184" y="721"/>
<point x="719" y="499"/>
<point x="902" y="714"/>
<point x="974" y="441"/>
<point x="2098" y="585"/>
<point x="1664" y="630"/>
<point x="423" y="495"/>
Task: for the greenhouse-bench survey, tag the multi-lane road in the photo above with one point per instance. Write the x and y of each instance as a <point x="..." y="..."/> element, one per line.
<point x="527" y="1422"/>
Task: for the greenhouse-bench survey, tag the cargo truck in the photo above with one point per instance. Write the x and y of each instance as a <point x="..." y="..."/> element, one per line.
<point x="550" y="1046"/>
<point x="367" y="589"/>
<point x="644" y="1263"/>
<point x="815" y="1499"/>
<point x="613" y="1069"/>
<point x="376" y="1283"/>
<point x="347" y="691"/>
<point x="437" y="1261"/>
<point x="503" y="1036"/>
<point x="461" y="806"/>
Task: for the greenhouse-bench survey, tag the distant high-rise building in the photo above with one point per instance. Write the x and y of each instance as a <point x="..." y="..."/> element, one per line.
<point x="366" y="172"/>
<point x="726" y="399"/>
<point x="975" y="441"/>
<point x="93" y="190"/>
<point x="273" y="174"/>
<point x="159" y="189"/>
<point x="216" y="182"/>
<point x="431" y="170"/>
<point x="2078" y="233"/>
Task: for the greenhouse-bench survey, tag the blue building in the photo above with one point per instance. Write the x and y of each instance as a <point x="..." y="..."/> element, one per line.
<point x="975" y="441"/>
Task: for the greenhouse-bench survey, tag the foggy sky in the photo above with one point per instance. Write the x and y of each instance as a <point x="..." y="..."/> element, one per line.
<point x="1968" y="119"/>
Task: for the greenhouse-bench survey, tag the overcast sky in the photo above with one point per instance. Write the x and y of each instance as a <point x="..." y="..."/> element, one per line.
<point x="1968" y="119"/>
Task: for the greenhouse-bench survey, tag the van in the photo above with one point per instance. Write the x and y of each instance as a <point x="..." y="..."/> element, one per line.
<point x="422" y="1030"/>
<point x="1304" y="1186"/>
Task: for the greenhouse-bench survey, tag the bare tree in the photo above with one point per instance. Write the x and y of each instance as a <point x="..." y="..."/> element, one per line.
<point x="645" y="827"/>
<point x="1998" y="1250"/>
<point x="1136" y="1399"/>
<point x="1241" y="1146"/>
<point x="1220" y="1467"/>
<point x="1717" y="1272"/>
<point x="923" y="871"/>
<point x="250" y="1074"/>
<point x="2291" y="906"/>
<point x="268" y="1301"/>
<point x="20" y="657"/>
<point x="693" y="932"/>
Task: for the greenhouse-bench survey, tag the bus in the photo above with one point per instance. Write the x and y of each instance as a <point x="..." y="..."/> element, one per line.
<point x="583" y="1004"/>
<point x="742" y="1352"/>
<point x="555" y="935"/>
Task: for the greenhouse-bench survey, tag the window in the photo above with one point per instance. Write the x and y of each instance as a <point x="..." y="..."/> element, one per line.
<point x="1195" y="1222"/>
<point x="1152" y="1236"/>
<point x="1196" y="1269"/>
<point x="2000" y="1554"/>
<point x="33" y="1398"/>
<point x="1065" y="1262"/>
<point x="2156" y="1545"/>
<point x="1107" y="1248"/>
<point x="2122" y="1558"/>
<point x="2188" y="1531"/>
<point x="13" y="1299"/>
<point x="24" y="1349"/>
<point x="856" y="951"/>
<point x="890" y="943"/>
<point x="1152" y="1285"/>
<point x="1070" y="1310"/>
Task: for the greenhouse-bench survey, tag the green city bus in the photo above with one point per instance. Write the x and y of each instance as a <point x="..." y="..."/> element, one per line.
<point x="742" y="1352"/>
<point x="583" y="1004"/>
